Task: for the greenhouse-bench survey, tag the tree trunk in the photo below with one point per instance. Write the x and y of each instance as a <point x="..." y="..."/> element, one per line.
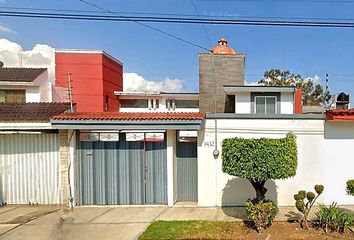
<point x="260" y="189"/>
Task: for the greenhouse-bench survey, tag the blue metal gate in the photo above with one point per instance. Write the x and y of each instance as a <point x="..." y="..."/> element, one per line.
<point x="187" y="171"/>
<point x="121" y="172"/>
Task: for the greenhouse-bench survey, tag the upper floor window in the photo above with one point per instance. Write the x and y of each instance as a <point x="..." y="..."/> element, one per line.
<point x="187" y="103"/>
<point x="173" y="104"/>
<point x="12" y="96"/>
<point x="134" y="103"/>
<point x="265" y="105"/>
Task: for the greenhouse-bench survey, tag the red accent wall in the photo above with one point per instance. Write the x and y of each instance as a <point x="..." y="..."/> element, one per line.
<point x="94" y="76"/>
<point x="298" y="101"/>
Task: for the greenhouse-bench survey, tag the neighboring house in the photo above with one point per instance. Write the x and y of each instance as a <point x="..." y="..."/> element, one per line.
<point x="18" y="85"/>
<point x="30" y="160"/>
<point x="157" y="102"/>
<point x="94" y="75"/>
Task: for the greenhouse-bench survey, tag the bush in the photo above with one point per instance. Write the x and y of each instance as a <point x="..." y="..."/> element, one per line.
<point x="305" y="207"/>
<point x="350" y="187"/>
<point x="333" y="218"/>
<point x="262" y="213"/>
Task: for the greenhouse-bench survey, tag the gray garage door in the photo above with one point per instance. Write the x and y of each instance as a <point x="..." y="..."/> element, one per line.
<point x="187" y="171"/>
<point x="121" y="172"/>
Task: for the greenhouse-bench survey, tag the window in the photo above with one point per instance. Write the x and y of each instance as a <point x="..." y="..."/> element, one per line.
<point x="265" y="105"/>
<point x="134" y="103"/>
<point x="187" y="103"/>
<point x="12" y="96"/>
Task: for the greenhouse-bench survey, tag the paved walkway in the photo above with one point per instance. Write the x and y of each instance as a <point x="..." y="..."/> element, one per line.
<point x="51" y="222"/>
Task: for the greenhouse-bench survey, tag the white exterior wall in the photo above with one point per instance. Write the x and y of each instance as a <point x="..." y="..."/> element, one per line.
<point x="162" y="107"/>
<point x="324" y="157"/>
<point x="243" y="103"/>
<point x="287" y="103"/>
<point x="171" y="168"/>
<point x="33" y="94"/>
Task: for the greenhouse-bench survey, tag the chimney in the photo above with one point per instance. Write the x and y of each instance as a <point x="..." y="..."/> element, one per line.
<point x="224" y="66"/>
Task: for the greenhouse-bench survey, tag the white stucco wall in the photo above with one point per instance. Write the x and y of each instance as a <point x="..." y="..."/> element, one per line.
<point x="325" y="157"/>
<point x="243" y="103"/>
<point x="287" y="103"/>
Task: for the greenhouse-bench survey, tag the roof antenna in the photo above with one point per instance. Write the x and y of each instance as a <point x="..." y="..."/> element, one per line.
<point x="70" y="92"/>
<point x="20" y="60"/>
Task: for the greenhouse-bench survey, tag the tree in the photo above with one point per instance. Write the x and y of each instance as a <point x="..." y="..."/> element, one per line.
<point x="259" y="160"/>
<point x="313" y="94"/>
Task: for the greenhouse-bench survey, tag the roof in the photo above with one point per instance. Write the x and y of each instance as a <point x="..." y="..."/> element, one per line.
<point x="20" y="74"/>
<point x="340" y="115"/>
<point x="88" y="51"/>
<point x="126" y="116"/>
<point x="257" y="88"/>
<point x="222" y="48"/>
<point x="31" y="111"/>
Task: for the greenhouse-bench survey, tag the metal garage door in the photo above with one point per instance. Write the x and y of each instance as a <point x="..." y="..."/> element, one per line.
<point x="187" y="171"/>
<point x="29" y="168"/>
<point x="121" y="172"/>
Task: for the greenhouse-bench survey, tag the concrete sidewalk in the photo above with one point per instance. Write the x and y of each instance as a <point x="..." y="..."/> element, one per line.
<point x="111" y="222"/>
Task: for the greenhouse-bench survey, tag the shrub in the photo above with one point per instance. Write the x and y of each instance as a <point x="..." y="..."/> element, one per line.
<point x="305" y="201"/>
<point x="332" y="218"/>
<point x="350" y="187"/>
<point x="259" y="160"/>
<point x="261" y="213"/>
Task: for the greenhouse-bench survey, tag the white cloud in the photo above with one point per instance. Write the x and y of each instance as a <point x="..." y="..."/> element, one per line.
<point x="6" y="29"/>
<point x="315" y="79"/>
<point x="134" y="82"/>
<point x="40" y="55"/>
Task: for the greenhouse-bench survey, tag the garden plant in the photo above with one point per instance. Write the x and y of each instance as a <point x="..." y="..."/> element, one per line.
<point x="305" y="201"/>
<point x="333" y="218"/>
<point x="260" y="160"/>
<point x="350" y="187"/>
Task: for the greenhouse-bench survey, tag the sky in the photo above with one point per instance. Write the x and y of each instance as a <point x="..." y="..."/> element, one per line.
<point x="164" y="62"/>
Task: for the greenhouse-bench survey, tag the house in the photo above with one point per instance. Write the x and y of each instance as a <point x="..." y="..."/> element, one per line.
<point x="18" y="85"/>
<point x="158" y="148"/>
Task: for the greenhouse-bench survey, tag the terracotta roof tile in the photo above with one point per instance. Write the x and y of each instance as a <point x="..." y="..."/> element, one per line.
<point x="126" y="116"/>
<point x="20" y="74"/>
<point x="31" y="111"/>
<point x="340" y="114"/>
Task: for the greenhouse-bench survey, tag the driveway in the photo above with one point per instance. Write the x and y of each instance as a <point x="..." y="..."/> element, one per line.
<point x="32" y="223"/>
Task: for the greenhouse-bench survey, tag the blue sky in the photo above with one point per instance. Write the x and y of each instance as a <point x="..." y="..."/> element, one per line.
<point x="308" y="51"/>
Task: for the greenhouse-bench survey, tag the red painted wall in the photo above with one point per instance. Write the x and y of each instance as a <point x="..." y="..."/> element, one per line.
<point x="94" y="76"/>
<point x="298" y="101"/>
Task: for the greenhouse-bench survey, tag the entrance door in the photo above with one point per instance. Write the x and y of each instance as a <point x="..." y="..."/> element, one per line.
<point x="121" y="172"/>
<point x="187" y="171"/>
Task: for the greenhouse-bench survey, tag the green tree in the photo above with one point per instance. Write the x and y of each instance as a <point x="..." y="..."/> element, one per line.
<point x="259" y="160"/>
<point x="313" y="94"/>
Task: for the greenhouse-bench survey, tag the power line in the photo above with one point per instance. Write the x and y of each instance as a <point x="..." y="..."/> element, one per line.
<point x="286" y="1"/>
<point x="177" y="14"/>
<point x="139" y="20"/>
<point x="145" y="25"/>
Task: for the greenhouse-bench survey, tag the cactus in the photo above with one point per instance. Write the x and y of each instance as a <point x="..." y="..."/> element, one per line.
<point x="310" y="198"/>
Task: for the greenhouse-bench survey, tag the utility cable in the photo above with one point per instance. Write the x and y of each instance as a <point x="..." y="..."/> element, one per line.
<point x="140" y="20"/>
<point x="145" y="25"/>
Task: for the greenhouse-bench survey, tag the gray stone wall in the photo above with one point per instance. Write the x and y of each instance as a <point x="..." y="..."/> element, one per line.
<point x="228" y="70"/>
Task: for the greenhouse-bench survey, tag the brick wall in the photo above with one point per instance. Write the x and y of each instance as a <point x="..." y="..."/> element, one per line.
<point x="64" y="164"/>
<point x="228" y="70"/>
